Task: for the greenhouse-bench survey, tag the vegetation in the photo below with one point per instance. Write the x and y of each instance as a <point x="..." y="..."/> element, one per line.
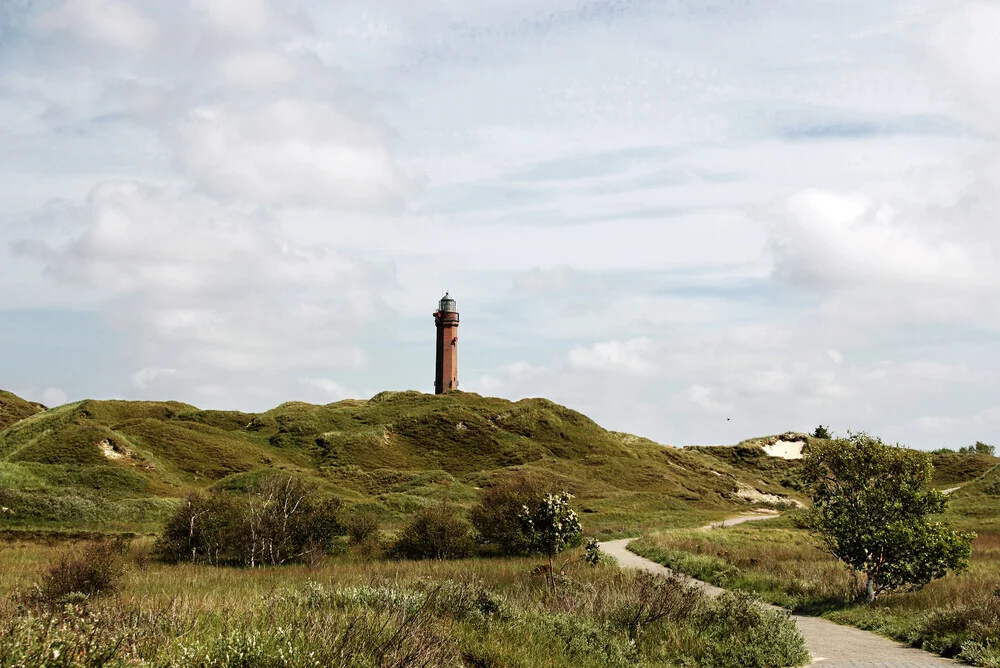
<point x="870" y="509"/>
<point x="552" y="526"/>
<point x="94" y="570"/>
<point x="979" y="448"/>
<point x="497" y="516"/>
<point x="402" y="471"/>
<point x="480" y="612"/>
<point x="277" y="520"/>
<point x="435" y="533"/>
<point x="124" y="466"/>
<point x="362" y="526"/>
<point x="822" y="432"/>
<point x="14" y="409"/>
<point x="784" y="565"/>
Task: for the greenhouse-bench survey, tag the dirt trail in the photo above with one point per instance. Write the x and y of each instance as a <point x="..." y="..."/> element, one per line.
<point x="831" y="645"/>
<point x="733" y="521"/>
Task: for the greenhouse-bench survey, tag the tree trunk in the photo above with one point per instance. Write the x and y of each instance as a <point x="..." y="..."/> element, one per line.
<point x="870" y="589"/>
<point x="552" y="574"/>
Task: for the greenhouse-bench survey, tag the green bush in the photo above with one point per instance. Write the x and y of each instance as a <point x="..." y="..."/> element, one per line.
<point x="278" y="520"/>
<point x="437" y="532"/>
<point x="739" y="632"/>
<point x="497" y="515"/>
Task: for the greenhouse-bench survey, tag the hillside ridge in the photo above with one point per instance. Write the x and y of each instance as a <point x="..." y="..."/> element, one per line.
<point x="122" y="465"/>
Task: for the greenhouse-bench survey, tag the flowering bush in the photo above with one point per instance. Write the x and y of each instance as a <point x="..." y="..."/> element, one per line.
<point x="552" y="526"/>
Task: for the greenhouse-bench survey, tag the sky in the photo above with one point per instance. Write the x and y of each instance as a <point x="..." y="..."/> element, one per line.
<point x="698" y="221"/>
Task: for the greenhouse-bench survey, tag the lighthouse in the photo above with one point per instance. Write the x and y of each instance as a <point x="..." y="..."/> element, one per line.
<point x="446" y="366"/>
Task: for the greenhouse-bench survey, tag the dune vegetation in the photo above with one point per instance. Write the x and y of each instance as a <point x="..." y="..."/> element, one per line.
<point x="95" y="470"/>
<point x="957" y="616"/>
<point x="121" y="466"/>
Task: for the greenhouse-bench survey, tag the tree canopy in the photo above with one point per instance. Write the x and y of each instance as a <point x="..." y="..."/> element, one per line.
<point x="872" y="508"/>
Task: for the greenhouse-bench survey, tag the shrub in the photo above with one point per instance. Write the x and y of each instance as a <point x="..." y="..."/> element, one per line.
<point x="436" y="532"/>
<point x="740" y="633"/>
<point x="276" y="521"/>
<point x="496" y="516"/>
<point x="648" y="599"/>
<point x="362" y="526"/>
<point x="96" y="570"/>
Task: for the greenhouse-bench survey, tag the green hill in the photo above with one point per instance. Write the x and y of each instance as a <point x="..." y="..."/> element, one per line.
<point x="113" y="465"/>
<point x="14" y="409"/>
<point x="122" y="465"/>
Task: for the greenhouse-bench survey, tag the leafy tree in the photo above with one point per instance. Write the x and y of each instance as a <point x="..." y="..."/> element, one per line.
<point x="870" y="508"/>
<point x="553" y="526"/>
<point x="497" y="515"/>
<point x="822" y="432"/>
<point x="979" y="448"/>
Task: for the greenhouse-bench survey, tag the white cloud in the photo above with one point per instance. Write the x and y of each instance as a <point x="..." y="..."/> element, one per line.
<point x="633" y="356"/>
<point x="53" y="396"/>
<point x="702" y="396"/>
<point x="329" y="388"/>
<point x="241" y="17"/>
<point x="143" y="378"/>
<point x="111" y="22"/>
<point x="252" y="68"/>
<point x="833" y="239"/>
<point x="290" y="152"/>
<point x="205" y="291"/>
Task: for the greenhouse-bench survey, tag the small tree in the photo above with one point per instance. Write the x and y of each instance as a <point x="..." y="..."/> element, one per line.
<point x="553" y="526"/>
<point x="822" y="432"/>
<point x="870" y="509"/>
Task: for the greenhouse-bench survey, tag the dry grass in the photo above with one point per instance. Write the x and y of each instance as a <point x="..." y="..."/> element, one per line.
<point x="356" y="612"/>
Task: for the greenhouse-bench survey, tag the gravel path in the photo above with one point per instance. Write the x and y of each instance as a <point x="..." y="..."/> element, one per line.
<point x="831" y="645"/>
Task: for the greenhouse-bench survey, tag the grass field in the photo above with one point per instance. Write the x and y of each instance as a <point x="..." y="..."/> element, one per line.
<point x="355" y="612"/>
<point x="958" y="615"/>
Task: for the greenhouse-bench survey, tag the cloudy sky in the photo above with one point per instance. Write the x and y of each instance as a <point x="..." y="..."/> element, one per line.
<point x="696" y="220"/>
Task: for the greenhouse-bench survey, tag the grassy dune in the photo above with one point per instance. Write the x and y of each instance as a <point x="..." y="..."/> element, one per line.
<point x="14" y="409"/>
<point x="120" y="465"/>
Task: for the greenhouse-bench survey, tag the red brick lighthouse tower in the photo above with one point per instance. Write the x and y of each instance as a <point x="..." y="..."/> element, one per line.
<point x="446" y="368"/>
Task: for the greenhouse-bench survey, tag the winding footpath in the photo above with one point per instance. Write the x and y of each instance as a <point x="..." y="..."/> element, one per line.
<point x="831" y="645"/>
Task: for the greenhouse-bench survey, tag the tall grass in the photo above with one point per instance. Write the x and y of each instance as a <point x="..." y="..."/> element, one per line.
<point x="355" y="612"/>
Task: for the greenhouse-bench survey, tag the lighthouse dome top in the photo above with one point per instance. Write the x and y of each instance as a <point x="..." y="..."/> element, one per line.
<point x="447" y="304"/>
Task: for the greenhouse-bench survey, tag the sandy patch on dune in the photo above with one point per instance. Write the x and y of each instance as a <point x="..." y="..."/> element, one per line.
<point x="785" y="449"/>
<point x="748" y="493"/>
